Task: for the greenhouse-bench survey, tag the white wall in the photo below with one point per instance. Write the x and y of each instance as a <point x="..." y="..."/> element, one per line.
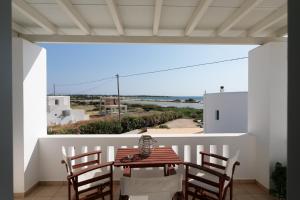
<point x="267" y="106"/>
<point x="232" y="108"/>
<point x="29" y="111"/>
<point x="63" y="103"/>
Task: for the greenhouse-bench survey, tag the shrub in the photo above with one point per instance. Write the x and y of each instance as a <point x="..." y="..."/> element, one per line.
<point x="128" y="123"/>
<point x="101" y="127"/>
<point x="63" y="131"/>
<point x="163" y="126"/>
<point x="278" y="177"/>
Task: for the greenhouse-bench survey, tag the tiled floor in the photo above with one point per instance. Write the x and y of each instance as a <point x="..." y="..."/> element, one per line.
<point x="242" y="191"/>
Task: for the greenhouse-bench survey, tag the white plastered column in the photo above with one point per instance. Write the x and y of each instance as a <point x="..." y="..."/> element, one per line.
<point x="267" y="107"/>
<point x="29" y="111"/>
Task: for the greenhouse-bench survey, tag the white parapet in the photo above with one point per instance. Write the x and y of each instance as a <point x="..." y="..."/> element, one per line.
<point x="187" y="146"/>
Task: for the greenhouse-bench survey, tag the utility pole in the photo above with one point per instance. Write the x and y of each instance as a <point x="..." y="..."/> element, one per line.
<point x="100" y="105"/>
<point x="119" y="103"/>
<point x="53" y="89"/>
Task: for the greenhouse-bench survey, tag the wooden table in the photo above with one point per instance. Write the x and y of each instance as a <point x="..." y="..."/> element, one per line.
<point x="159" y="157"/>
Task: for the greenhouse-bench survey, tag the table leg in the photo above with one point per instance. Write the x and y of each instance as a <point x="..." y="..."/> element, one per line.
<point x="127" y="171"/>
<point x="171" y="170"/>
<point x="165" y="170"/>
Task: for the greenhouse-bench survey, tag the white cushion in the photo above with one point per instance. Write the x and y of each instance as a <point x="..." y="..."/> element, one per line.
<point x="154" y="187"/>
<point x="228" y="171"/>
<point x="89" y="175"/>
<point x="152" y="196"/>
<point x="230" y="162"/>
<point x="206" y="176"/>
<point x="138" y="197"/>
<point x="66" y="159"/>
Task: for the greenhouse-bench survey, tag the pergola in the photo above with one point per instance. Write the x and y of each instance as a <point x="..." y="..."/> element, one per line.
<point x="151" y="21"/>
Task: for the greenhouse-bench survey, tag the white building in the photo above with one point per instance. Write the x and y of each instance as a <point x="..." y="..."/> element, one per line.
<point x="59" y="111"/>
<point x="225" y="112"/>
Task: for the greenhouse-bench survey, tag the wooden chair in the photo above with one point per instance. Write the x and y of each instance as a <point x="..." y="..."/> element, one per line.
<point x="210" y="180"/>
<point x="90" y="179"/>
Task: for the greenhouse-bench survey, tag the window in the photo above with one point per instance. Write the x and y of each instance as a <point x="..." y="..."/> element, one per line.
<point x="217" y="114"/>
<point x="56" y="101"/>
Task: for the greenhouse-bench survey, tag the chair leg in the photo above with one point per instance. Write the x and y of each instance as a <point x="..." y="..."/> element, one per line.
<point x="225" y="193"/>
<point x="185" y="192"/>
<point x="111" y="194"/>
<point x="69" y="190"/>
<point x="178" y="196"/>
<point x="231" y="190"/>
<point x="123" y="197"/>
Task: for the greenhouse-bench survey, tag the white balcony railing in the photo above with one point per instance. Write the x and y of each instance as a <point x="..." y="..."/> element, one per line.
<point x="186" y="146"/>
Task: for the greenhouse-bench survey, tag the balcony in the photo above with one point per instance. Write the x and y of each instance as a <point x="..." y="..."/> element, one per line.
<point x="36" y="156"/>
<point x="52" y="175"/>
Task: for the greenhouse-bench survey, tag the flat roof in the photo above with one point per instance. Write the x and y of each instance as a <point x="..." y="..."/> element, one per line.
<point x="226" y="93"/>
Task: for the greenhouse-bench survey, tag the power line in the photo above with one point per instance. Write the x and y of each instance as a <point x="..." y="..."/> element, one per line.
<point x="92" y="88"/>
<point x="85" y="82"/>
<point x="144" y="73"/>
<point x="183" y="67"/>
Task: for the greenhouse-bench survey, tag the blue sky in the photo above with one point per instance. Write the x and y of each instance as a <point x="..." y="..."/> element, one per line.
<point x="73" y="63"/>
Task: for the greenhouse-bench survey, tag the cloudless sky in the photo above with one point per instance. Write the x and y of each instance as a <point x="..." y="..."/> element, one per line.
<point x="73" y="63"/>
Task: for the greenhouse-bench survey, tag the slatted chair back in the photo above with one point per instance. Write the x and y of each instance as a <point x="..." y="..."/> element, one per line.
<point x="90" y="179"/>
<point x="67" y="161"/>
<point x="211" y="180"/>
<point x="230" y="164"/>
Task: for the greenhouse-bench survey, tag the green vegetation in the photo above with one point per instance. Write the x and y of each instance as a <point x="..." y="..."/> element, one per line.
<point x="163" y="126"/>
<point x="278" y="181"/>
<point x="190" y="100"/>
<point x="128" y="123"/>
<point x="177" y="100"/>
<point x="185" y="112"/>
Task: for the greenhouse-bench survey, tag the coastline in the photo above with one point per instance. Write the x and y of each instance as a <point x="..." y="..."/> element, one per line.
<point x="164" y="103"/>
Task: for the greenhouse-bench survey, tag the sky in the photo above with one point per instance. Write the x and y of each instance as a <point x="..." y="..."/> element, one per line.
<point x="77" y="63"/>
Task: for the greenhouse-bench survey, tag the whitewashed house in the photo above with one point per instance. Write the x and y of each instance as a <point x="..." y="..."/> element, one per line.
<point x="225" y="112"/>
<point x="59" y="111"/>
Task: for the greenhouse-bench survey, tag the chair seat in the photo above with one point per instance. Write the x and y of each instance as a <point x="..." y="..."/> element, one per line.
<point x="139" y="197"/>
<point x="153" y="196"/>
<point x="89" y="175"/>
<point x="152" y="187"/>
<point x="206" y="176"/>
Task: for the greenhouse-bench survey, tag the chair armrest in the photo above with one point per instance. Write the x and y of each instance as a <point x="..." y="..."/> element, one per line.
<point x="211" y="171"/>
<point x="88" y="169"/>
<point x="214" y="155"/>
<point x="85" y="154"/>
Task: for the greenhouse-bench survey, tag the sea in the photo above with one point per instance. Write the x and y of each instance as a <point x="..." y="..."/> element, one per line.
<point x="166" y="101"/>
<point x="169" y="98"/>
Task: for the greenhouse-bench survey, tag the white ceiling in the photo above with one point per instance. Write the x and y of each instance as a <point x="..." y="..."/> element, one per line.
<point x="48" y="20"/>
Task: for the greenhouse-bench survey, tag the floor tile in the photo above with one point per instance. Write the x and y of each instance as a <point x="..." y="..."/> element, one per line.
<point x="241" y="191"/>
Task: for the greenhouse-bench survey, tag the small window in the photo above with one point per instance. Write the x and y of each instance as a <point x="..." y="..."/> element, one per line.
<point x="56" y="102"/>
<point x="217" y="114"/>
